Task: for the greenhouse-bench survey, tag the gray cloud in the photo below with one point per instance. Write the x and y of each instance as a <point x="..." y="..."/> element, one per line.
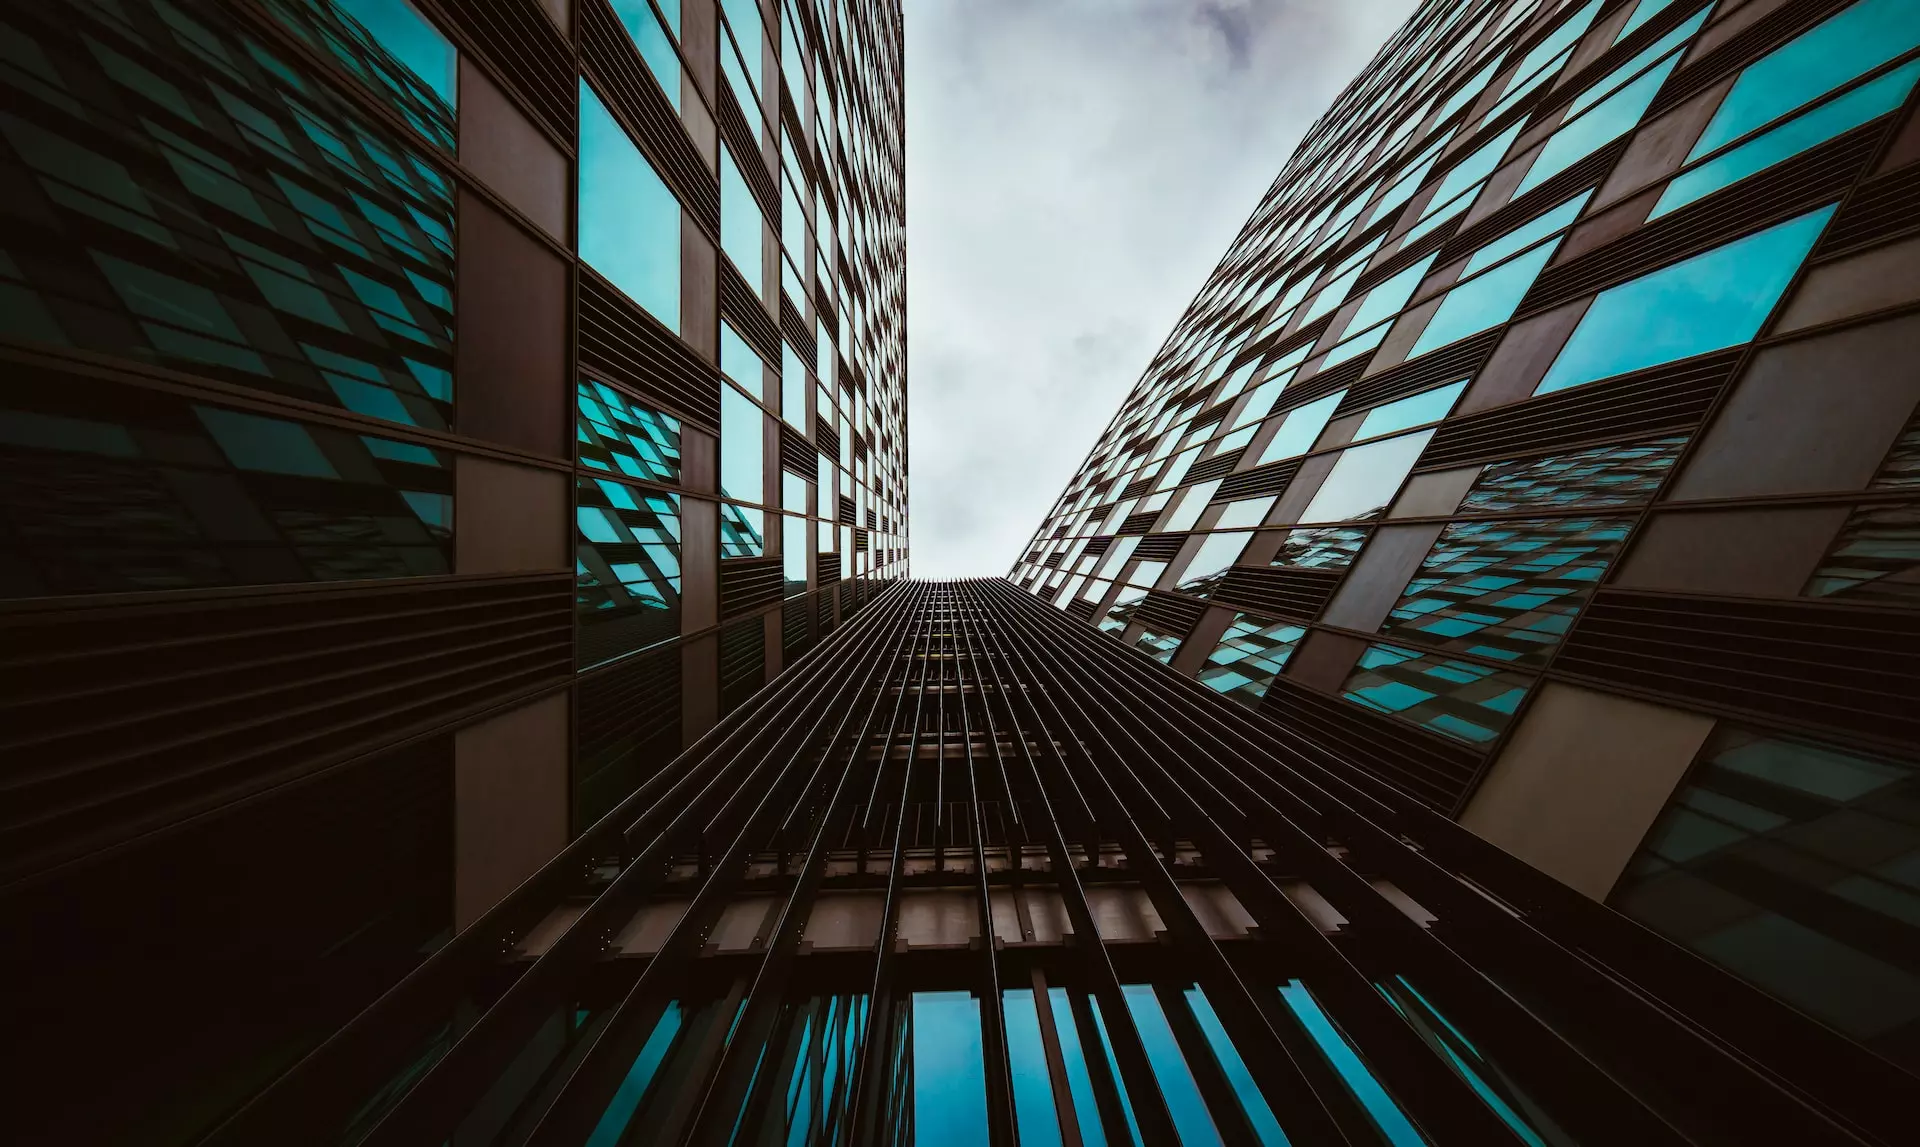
<point x="1074" y="170"/>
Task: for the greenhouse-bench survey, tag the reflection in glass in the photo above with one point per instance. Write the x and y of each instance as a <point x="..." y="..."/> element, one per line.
<point x="1414" y="410"/>
<point x="629" y="222"/>
<point x="1460" y="699"/>
<point x="627" y="569"/>
<point x="1484" y="302"/>
<point x="392" y="48"/>
<point x="615" y="432"/>
<point x="741" y="223"/>
<point x="1713" y="300"/>
<point x="1619" y="475"/>
<point x="1365" y="479"/>
<point x="742" y="447"/>
<point x="1250" y="655"/>
<point x="1301" y="428"/>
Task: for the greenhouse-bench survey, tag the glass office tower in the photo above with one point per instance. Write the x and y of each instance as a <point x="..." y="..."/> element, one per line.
<point x="1545" y="446"/>
<point x="422" y="420"/>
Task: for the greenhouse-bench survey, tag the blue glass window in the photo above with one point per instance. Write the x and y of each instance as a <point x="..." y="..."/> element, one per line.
<point x="1301" y="428"/>
<point x="1620" y="475"/>
<point x="1876" y="556"/>
<point x="1212" y="559"/>
<point x="1249" y="656"/>
<point x="1460" y="699"/>
<point x="1642" y="12"/>
<point x="654" y="40"/>
<point x="743" y="20"/>
<point x="793" y="388"/>
<point x="629" y="222"/>
<point x="1506" y="590"/>
<point x="1521" y="1113"/>
<point x="1368" y="326"/>
<point x="1373" y="1098"/>
<point x="742" y="447"/>
<point x="1365" y="479"/>
<point x="949" y="1073"/>
<point x="1527" y="234"/>
<point x="627" y="569"/>
<point x="1609" y="118"/>
<point x="1866" y="102"/>
<point x="391" y="47"/>
<point x="617" y="433"/>
<point x="741" y="223"/>
<point x="1182" y="1095"/>
<point x="793" y="553"/>
<point x="1484" y="302"/>
<point x="1414" y="410"/>
<point x="1027" y="1063"/>
<point x="742" y="531"/>
<point x="740" y="362"/>
<point x="1846" y="45"/>
<point x="1713" y="300"/>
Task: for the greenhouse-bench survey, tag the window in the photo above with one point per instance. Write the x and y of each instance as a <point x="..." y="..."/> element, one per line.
<point x="741" y="223"/>
<point x="392" y="48"/>
<point x="1622" y="475"/>
<point x="116" y="489"/>
<point x="1866" y="102"/>
<point x="742" y="446"/>
<point x="617" y="433"/>
<point x="629" y="222"/>
<point x="1365" y="479"/>
<point x="1458" y="699"/>
<point x="740" y="362"/>
<point x="1527" y="234"/>
<point x="793" y="552"/>
<point x="1792" y="865"/>
<point x="793" y="388"/>
<point x="1484" y="302"/>
<point x="627" y="569"/>
<point x="1611" y="108"/>
<point x="1506" y="590"/>
<point x="1213" y="558"/>
<point x="654" y="40"/>
<point x="1247" y="512"/>
<point x="1301" y="428"/>
<point x="1849" y="44"/>
<point x="1382" y="303"/>
<point x="742" y="531"/>
<point x="1415" y="410"/>
<point x="1250" y="655"/>
<point x="1713" y="300"/>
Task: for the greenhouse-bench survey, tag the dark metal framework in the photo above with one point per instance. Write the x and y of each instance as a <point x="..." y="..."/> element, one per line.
<point x="964" y="740"/>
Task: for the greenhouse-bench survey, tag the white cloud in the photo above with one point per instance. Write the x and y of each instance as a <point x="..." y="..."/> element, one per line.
<point x="1074" y="170"/>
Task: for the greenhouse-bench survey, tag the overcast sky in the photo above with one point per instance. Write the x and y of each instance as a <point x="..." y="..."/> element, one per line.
<point x="1074" y="170"/>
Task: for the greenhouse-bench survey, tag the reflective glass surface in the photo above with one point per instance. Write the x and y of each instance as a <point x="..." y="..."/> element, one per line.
<point x="1484" y="302"/>
<point x="1847" y="44"/>
<point x="1506" y="590"/>
<point x="1459" y="699"/>
<point x="1796" y="866"/>
<point x="615" y="432"/>
<point x="629" y="222"/>
<point x="742" y="447"/>
<point x="117" y="489"/>
<point x="1249" y="656"/>
<point x="1713" y="300"/>
<point x="1301" y="428"/>
<point x="654" y="41"/>
<point x="1414" y="410"/>
<point x="1621" y="475"/>
<point x="214" y="209"/>
<point x="627" y="569"/>
<point x="741" y="224"/>
<point x="1527" y="234"/>
<point x="1365" y="478"/>
<point x="1876" y="556"/>
<point x="391" y="47"/>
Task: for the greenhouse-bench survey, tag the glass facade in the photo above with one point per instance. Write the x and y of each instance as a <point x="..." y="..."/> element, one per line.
<point x="1557" y="376"/>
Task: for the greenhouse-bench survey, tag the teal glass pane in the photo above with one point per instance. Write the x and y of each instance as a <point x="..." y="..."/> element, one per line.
<point x="740" y="362"/>
<point x="1373" y="1098"/>
<point x="1846" y="45"/>
<point x="1177" y="1088"/>
<point x="1514" y="1108"/>
<point x="949" y="1073"/>
<point x="1265" y="1127"/>
<point x="793" y="553"/>
<point x="1594" y="93"/>
<point x="1113" y="1069"/>
<point x="1642" y="12"/>
<point x="1620" y="475"/>
<point x="1086" y="1108"/>
<point x="1473" y="170"/>
<point x="1796" y="866"/>
<point x="1211" y="561"/>
<point x="793" y="389"/>
<point x="1322" y="547"/>
<point x="741" y="223"/>
<point x="1159" y="646"/>
<point x="629" y="223"/>
<point x="1509" y="589"/>
<point x="1301" y="428"/>
<point x="1414" y="410"/>
<point x="392" y="48"/>
<point x="638" y="1081"/>
<point x="1365" y="479"/>
<point x="742" y="447"/>
<point x="615" y="433"/>
<point x="1027" y="1063"/>
<point x="1333" y="294"/>
<point x="1385" y="300"/>
<point x="1484" y="302"/>
<point x="742" y="531"/>
<point x="1249" y="656"/>
<point x="1713" y="300"/>
<point x="1526" y="235"/>
<point x="1600" y="124"/>
<point x="1464" y="700"/>
<point x="743" y="19"/>
<point x="654" y="42"/>
<point x="1868" y="101"/>
<point x="627" y="569"/>
<point x="1875" y="557"/>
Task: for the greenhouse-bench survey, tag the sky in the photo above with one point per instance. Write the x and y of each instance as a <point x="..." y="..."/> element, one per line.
<point x="1075" y="168"/>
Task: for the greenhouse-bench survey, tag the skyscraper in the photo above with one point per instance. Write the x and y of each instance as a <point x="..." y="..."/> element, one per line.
<point x="424" y="418"/>
<point x="1545" y="447"/>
